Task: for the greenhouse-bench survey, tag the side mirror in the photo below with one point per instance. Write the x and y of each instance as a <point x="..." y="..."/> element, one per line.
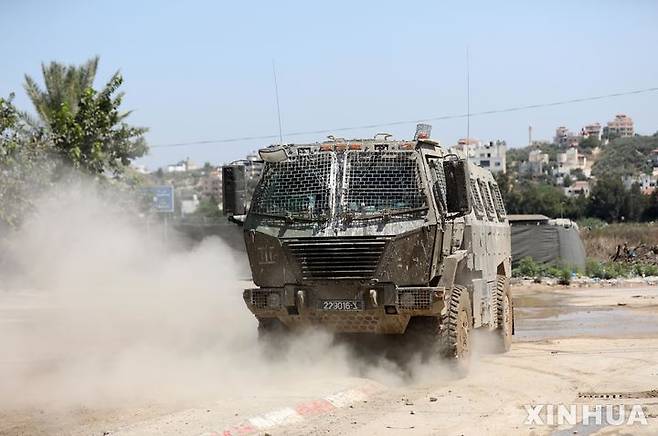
<point x="234" y="190"/>
<point x="457" y="199"/>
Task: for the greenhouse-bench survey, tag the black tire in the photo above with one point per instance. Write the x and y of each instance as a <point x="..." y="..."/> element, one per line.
<point x="271" y="328"/>
<point x="457" y="324"/>
<point x="504" y="314"/>
<point x="273" y="337"/>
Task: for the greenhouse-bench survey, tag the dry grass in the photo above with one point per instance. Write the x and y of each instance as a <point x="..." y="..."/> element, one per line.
<point x="601" y="243"/>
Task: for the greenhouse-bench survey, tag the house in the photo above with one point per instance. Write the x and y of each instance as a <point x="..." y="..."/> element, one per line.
<point x="580" y="187"/>
<point x="572" y="160"/>
<point x="492" y="155"/>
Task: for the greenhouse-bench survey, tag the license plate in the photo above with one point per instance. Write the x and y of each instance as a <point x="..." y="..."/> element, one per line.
<point x="341" y="305"/>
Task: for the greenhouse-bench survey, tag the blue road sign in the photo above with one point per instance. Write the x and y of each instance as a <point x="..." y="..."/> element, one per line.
<point x="163" y="198"/>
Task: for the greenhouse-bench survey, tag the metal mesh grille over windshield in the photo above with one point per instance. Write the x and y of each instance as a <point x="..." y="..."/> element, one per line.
<point x="299" y="185"/>
<point x="374" y="181"/>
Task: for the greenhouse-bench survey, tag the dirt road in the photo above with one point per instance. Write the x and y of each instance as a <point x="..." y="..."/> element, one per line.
<point x="573" y="346"/>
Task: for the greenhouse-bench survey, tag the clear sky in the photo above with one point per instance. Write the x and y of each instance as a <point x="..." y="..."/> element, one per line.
<point x="199" y="70"/>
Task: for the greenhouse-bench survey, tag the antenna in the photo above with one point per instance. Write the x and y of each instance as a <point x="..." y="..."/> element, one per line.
<point x="278" y="108"/>
<point x="468" y="99"/>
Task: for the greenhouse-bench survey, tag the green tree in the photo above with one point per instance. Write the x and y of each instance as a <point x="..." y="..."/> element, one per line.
<point x="608" y="199"/>
<point x="635" y="203"/>
<point x="651" y="210"/>
<point x="64" y="85"/>
<point x="589" y="143"/>
<point x="209" y="208"/>
<point x="94" y="138"/>
<point x="85" y="127"/>
<point x="25" y="165"/>
<point x="567" y="181"/>
<point x="578" y="174"/>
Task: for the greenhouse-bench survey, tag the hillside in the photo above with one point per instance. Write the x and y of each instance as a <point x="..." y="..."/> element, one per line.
<point x="625" y="156"/>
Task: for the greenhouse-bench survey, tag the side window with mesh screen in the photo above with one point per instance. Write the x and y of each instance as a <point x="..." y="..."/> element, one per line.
<point x="438" y="181"/>
<point x="486" y="199"/>
<point x="297" y="186"/>
<point x="498" y="200"/>
<point x="477" y="201"/>
<point x="377" y="181"/>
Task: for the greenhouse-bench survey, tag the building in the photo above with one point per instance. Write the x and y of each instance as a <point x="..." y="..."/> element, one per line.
<point x="580" y="187"/>
<point x="571" y="160"/>
<point x="647" y="182"/>
<point x="182" y="166"/>
<point x="492" y="155"/>
<point x="592" y="131"/>
<point x="561" y="135"/>
<point x="565" y="137"/>
<point x="538" y="161"/>
<point x="653" y="158"/>
<point x="189" y="205"/>
<point x="537" y="164"/>
<point x="620" y="127"/>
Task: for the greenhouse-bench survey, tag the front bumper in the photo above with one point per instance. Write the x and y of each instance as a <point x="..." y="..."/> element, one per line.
<point x="382" y="309"/>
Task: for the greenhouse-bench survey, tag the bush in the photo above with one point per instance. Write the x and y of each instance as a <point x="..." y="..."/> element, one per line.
<point x="527" y="267"/>
<point x="611" y="270"/>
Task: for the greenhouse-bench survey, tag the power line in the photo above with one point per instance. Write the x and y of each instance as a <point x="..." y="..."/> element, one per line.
<point x="403" y="122"/>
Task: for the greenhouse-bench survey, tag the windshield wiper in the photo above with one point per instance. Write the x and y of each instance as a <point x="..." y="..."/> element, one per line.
<point x="389" y="213"/>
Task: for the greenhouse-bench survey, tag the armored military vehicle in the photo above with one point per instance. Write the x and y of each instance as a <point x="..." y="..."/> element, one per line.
<point x="379" y="236"/>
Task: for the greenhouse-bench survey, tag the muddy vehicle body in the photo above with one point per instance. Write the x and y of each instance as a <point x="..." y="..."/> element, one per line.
<point x="379" y="236"/>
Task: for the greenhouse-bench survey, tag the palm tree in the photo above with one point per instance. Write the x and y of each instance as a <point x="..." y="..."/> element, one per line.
<point x="64" y="84"/>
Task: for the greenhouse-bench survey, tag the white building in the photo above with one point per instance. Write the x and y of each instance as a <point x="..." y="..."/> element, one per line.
<point x="189" y="205"/>
<point x="491" y="155"/>
<point x="537" y="163"/>
<point x="182" y="166"/>
<point x="647" y="182"/>
<point x="571" y="160"/>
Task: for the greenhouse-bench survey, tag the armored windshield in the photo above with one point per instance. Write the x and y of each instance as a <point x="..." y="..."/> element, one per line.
<point x="299" y="186"/>
<point x="381" y="181"/>
<point x="353" y="183"/>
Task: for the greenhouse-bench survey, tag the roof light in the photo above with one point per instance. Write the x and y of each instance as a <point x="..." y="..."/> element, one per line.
<point x="355" y="146"/>
<point x="273" y="154"/>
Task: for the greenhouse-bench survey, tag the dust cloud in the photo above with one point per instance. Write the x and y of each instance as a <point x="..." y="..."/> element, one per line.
<point x="96" y="310"/>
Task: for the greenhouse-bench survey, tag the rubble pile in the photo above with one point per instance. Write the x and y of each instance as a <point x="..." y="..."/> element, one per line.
<point x="643" y="253"/>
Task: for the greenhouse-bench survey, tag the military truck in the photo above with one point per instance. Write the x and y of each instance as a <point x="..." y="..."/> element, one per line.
<point x="379" y="236"/>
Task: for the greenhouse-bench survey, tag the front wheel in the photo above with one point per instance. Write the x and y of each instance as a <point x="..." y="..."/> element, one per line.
<point x="456" y="325"/>
<point x="504" y="314"/>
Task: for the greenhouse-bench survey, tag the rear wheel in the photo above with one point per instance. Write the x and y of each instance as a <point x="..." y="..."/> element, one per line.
<point x="504" y="314"/>
<point x="456" y="325"/>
